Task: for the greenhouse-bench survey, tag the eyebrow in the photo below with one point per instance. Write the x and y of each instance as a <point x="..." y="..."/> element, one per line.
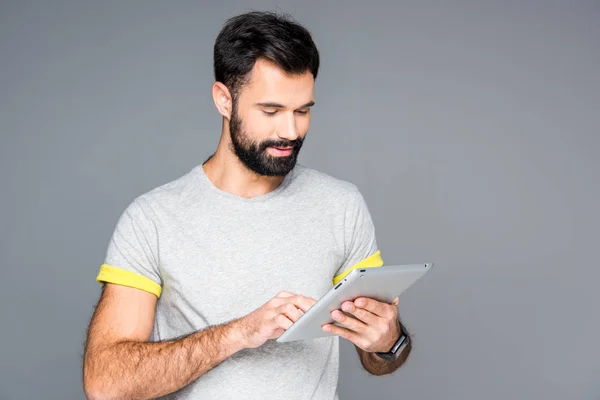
<point x="277" y="105"/>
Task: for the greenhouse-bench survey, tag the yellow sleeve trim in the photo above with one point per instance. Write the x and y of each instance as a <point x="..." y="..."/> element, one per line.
<point x="372" y="261"/>
<point x="119" y="276"/>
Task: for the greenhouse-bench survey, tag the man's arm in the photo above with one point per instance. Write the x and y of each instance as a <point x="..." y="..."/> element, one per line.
<point x="380" y="367"/>
<point x="120" y="363"/>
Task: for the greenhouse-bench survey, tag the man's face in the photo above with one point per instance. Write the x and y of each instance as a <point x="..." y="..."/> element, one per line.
<point x="270" y="119"/>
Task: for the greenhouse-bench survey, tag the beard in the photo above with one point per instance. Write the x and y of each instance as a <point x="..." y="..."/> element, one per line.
<point x="254" y="155"/>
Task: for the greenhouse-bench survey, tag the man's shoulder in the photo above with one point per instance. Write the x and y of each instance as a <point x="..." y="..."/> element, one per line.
<point x="172" y="194"/>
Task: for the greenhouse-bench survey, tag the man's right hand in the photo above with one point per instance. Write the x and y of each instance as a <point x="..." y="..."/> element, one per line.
<point x="271" y="319"/>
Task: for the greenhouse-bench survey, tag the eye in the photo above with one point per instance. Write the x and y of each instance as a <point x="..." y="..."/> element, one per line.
<point x="269" y="113"/>
<point x="302" y="112"/>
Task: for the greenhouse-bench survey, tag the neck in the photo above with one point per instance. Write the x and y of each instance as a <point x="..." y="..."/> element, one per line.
<point x="229" y="174"/>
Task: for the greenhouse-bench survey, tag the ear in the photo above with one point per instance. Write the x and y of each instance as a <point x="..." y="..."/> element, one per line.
<point x="222" y="99"/>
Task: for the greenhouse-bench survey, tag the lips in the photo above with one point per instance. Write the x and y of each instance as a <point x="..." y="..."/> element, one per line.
<point x="282" y="151"/>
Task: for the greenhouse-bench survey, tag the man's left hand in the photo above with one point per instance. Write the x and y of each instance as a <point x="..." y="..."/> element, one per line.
<point x="375" y="328"/>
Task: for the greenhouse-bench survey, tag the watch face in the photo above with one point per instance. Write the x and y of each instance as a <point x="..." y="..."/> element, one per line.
<point x="394" y="353"/>
<point x="399" y="343"/>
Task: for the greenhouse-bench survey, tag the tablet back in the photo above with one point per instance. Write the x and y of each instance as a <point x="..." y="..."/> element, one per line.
<point x="380" y="283"/>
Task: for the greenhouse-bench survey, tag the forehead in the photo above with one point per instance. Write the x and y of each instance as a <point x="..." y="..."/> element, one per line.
<point x="268" y="82"/>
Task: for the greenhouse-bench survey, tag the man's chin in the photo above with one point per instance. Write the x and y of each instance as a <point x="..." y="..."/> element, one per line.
<point x="280" y="170"/>
<point x="277" y="172"/>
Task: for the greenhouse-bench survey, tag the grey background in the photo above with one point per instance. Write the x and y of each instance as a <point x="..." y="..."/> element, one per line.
<point x="471" y="128"/>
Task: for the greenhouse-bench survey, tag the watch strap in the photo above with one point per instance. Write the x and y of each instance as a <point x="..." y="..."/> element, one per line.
<point x="395" y="350"/>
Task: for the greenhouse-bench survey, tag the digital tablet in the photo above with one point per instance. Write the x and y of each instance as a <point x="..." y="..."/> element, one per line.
<point x="380" y="283"/>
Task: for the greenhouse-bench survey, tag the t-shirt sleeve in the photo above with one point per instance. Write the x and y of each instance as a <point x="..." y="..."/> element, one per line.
<point x="360" y="241"/>
<point x="132" y="255"/>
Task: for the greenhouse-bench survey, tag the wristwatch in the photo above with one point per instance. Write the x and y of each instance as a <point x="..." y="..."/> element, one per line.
<point x="397" y="348"/>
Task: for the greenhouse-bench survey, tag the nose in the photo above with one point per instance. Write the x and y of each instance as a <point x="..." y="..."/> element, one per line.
<point x="288" y="129"/>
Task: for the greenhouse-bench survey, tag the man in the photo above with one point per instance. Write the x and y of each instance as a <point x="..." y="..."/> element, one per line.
<point x="203" y="273"/>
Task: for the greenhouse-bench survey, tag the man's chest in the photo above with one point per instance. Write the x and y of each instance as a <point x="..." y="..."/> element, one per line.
<point x="225" y="268"/>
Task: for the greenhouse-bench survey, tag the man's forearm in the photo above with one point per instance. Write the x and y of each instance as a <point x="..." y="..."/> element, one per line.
<point x="378" y="366"/>
<point x="140" y="370"/>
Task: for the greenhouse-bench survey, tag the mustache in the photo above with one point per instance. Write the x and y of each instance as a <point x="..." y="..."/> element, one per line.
<point x="296" y="144"/>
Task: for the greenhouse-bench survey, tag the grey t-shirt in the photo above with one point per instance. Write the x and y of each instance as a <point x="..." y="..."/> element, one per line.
<point x="211" y="256"/>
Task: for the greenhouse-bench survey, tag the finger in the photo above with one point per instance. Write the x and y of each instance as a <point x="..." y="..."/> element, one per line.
<point x="349" y="322"/>
<point x="278" y="332"/>
<point x="284" y="293"/>
<point x="343" y="332"/>
<point x="363" y="315"/>
<point x="290" y="311"/>
<point x="282" y="322"/>
<point x="378" y="308"/>
<point x="302" y="302"/>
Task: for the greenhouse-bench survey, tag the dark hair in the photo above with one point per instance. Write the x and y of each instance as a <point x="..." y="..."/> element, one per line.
<point x="247" y="37"/>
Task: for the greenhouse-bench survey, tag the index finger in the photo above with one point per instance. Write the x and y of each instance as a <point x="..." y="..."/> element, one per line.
<point x="284" y="293"/>
<point x="376" y="307"/>
<point x="302" y="302"/>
